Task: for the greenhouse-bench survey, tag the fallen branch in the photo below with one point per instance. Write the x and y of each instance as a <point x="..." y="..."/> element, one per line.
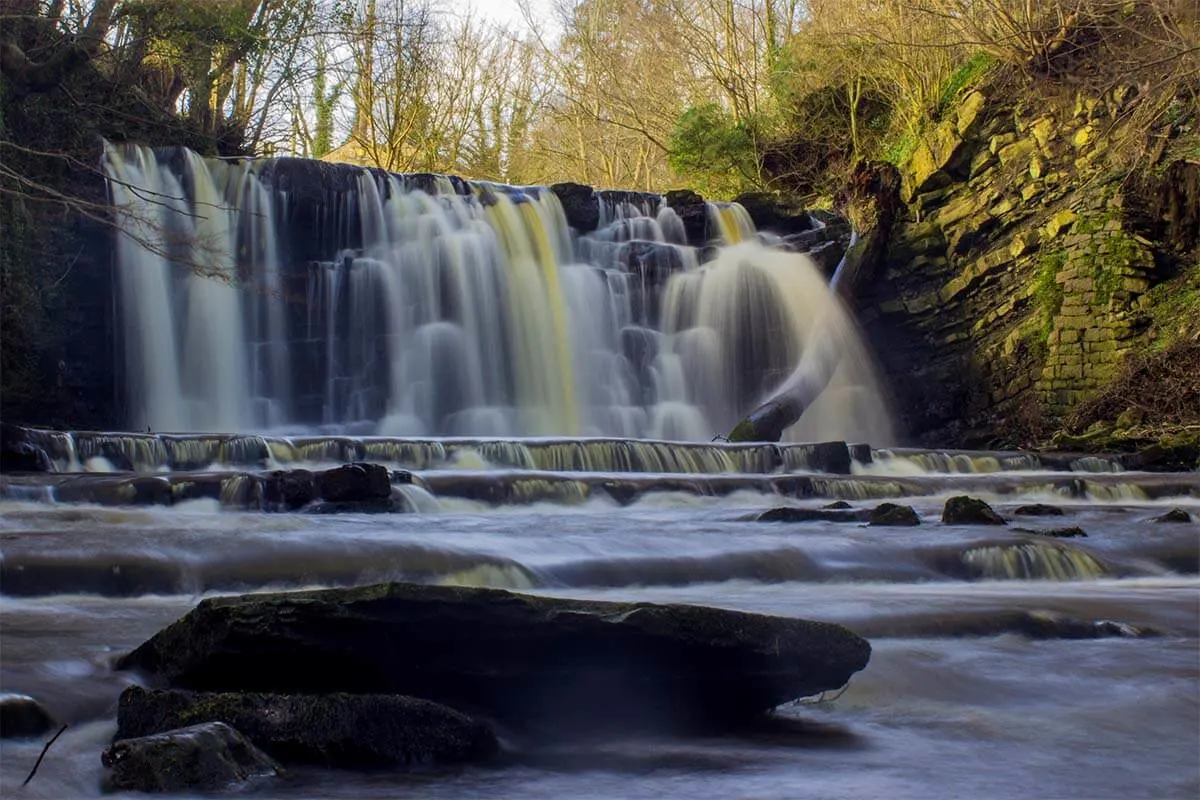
<point x="38" y="763"/>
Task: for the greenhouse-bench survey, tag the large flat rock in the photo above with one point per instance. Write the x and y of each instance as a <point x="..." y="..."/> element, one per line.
<point x="531" y="662"/>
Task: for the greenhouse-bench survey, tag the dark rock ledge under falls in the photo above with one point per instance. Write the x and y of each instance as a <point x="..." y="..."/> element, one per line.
<point x="534" y="665"/>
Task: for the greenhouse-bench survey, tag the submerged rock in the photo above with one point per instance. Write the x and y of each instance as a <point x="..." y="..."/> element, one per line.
<point x="22" y="717"/>
<point x="1059" y="533"/>
<point x="1038" y="510"/>
<point x="208" y="756"/>
<point x="892" y="515"/>
<point x="963" y="510"/>
<point x="791" y="514"/>
<point x="335" y="730"/>
<point x="541" y="663"/>
<point x="1174" y="515"/>
<point x="1031" y="624"/>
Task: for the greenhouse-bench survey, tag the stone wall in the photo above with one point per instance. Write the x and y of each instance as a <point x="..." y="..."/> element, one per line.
<point x="1018" y="278"/>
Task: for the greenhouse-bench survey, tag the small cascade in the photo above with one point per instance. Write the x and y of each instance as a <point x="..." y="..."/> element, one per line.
<point x="737" y="329"/>
<point x="1032" y="561"/>
<point x="731" y="221"/>
<point x="929" y="461"/>
<point x="284" y="295"/>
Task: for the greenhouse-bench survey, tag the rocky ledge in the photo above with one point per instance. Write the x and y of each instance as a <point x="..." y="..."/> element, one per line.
<point x="537" y="665"/>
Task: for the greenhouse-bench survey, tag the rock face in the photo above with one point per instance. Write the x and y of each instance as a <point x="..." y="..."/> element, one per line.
<point x="963" y="510"/>
<point x="693" y="211"/>
<point x="1023" y="264"/>
<point x="532" y="662"/>
<point x="206" y="757"/>
<point x="580" y="204"/>
<point x="18" y="453"/>
<point x="22" y="717"/>
<point x="335" y="730"/>
<point x="774" y="214"/>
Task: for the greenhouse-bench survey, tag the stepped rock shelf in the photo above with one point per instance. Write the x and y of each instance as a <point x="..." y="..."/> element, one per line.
<point x="270" y="473"/>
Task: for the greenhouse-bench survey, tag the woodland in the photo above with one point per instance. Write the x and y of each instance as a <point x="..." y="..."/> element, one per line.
<point x="724" y="97"/>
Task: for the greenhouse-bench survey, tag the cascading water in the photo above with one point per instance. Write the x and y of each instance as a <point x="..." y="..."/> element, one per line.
<point x="279" y="294"/>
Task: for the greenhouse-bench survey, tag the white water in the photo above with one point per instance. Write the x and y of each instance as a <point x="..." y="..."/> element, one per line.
<point x="931" y="716"/>
<point x="476" y="314"/>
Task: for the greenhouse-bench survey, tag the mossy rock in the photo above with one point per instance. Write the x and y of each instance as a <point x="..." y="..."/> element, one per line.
<point x="203" y="757"/>
<point x="963" y="510"/>
<point x="893" y="515"/>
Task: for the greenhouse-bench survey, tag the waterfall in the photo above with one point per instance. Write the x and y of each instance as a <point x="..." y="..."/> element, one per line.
<point x="291" y="296"/>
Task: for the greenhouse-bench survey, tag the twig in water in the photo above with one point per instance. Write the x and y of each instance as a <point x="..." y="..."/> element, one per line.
<point x="821" y="698"/>
<point x="38" y="763"/>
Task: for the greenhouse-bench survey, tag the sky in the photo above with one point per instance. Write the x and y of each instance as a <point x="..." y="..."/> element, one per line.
<point x="508" y="12"/>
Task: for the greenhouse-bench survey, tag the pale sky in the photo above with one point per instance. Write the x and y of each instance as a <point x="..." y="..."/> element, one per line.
<point x="508" y="12"/>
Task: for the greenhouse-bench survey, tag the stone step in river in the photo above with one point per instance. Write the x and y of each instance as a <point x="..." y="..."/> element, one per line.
<point x="32" y="449"/>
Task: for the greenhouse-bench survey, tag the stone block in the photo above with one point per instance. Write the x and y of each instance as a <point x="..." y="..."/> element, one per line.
<point x="1000" y="140"/>
<point x="1043" y="131"/>
<point x="968" y="118"/>
<point x="1019" y="152"/>
<point x="982" y="162"/>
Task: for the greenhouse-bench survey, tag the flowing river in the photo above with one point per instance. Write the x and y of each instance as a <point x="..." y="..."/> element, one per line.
<point x="433" y="325"/>
<point x="953" y="703"/>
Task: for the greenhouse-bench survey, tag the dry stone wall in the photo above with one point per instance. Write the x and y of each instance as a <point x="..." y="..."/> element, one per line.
<point x="1017" y="281"/>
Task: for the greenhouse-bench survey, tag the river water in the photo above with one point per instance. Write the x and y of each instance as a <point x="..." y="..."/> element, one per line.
<point x="934" y="714"/>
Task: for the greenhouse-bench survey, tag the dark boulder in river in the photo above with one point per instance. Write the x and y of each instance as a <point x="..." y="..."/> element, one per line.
<point x="355" y="483"/>
<point x="1174" y="515"/>
<point x="18" y="453"/>
<point x="963" y="510"/>
<point x="22" y="717"/>
<point x="332" y="730"/>
<point x="891" y="515"/>
<point x="209" y="756"/>
<point x="538" y="663"/>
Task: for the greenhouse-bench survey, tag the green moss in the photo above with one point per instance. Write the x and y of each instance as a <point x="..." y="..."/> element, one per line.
<point x="968" y="74"/>
<point x="1048" y="292"/>
<point x="1119" y="251"/>
<point x="899" y="149"/>
<point x="1174" y="307"/>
